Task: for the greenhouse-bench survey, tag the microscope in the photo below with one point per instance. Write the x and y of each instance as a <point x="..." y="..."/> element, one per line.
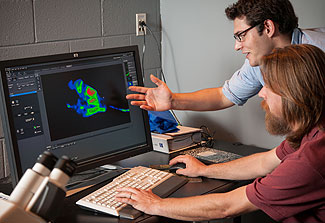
<point x="40" y="193"/>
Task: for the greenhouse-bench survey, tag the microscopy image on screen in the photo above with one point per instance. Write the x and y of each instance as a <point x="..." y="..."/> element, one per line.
<point x="89" y="102"/>
<point x="84" y="101"/>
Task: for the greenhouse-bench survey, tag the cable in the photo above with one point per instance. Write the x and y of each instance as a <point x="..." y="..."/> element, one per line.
<point x="143" y="53"/>
<point x="158" y="46"/>
<point x="143" y="24"/>
<point x="207" y="138"/>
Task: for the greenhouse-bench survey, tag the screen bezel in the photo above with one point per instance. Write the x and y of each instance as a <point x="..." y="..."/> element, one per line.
<point x="7" y="119"/>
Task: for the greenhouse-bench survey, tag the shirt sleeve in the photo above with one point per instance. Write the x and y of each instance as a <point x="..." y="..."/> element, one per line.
<point x="314" y="37"/>
<point x="244" y="84"/>
<point x="284" y="149"/>
<point x="293" y="187"/>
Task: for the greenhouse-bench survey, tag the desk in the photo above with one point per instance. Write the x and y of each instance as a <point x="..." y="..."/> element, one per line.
<point x="72" y="213"/>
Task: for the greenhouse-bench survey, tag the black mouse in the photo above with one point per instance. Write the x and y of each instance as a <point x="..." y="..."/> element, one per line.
<point x="177" y="166"/>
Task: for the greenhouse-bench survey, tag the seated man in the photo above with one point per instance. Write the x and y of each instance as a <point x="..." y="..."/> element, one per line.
<point x="290" y="179"/>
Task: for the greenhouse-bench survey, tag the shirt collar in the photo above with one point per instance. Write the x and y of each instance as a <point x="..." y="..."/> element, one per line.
<point x="296" y="36"/>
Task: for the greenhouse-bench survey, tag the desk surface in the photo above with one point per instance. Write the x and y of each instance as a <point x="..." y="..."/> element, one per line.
<point x="72" y="213"/>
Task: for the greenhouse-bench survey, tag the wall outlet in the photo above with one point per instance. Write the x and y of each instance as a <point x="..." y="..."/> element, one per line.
<point x="140" y="17"/>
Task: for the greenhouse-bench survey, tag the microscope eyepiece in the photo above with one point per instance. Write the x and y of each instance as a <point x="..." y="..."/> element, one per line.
<point x="47" y="159"/>
<point x="66" y="165"/>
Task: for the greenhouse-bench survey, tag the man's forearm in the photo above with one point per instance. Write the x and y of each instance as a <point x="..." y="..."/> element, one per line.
<point x="203" y="100"/>
<point x="245" y="168"/>
<point x="212" y="206"/>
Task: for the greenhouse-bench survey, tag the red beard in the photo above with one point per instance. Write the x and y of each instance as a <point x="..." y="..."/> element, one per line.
<point x="273" y="124"/>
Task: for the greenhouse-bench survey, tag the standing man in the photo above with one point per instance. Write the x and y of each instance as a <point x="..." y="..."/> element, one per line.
<point x="290" y="179"/>
<point x="259" y="27"/>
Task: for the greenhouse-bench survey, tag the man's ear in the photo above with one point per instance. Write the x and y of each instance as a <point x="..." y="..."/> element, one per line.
<point x="269" y="28"/>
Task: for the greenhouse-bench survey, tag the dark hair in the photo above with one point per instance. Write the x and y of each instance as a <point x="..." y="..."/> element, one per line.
<point x="297" y="74"/>
<point x="256" y="12"/>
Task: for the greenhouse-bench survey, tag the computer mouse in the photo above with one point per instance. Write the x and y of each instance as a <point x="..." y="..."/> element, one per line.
<point x="177" y="166"/>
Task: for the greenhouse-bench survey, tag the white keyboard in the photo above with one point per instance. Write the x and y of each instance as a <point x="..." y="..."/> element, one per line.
<point x="103" y="199"/>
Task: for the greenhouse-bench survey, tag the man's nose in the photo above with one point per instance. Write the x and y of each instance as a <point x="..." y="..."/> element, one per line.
<point x="261" y="94"/>
<point x="238" y="45"/>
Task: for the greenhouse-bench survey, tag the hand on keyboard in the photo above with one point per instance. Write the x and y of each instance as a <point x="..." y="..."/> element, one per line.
<point x="143" y="200"/>
<point x="138" y="179"/>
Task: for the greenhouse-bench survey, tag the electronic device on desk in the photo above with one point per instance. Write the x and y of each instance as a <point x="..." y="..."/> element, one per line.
<point x="73" y="104"/>
<point x="171" y="142"/>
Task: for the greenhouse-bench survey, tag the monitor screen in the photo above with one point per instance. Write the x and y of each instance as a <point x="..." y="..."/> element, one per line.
<point x="73" y="104"/>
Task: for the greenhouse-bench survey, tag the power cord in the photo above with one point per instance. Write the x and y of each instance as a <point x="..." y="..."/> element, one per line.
<point x="207" y="138"/>
<point x="143" y="52"/>
<point x="143" y="24"/>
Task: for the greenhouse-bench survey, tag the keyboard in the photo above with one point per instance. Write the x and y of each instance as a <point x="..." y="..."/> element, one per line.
<point x="103" y="199"/>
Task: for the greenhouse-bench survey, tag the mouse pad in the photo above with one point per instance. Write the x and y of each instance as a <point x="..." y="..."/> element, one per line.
<point x="211" y="155"/>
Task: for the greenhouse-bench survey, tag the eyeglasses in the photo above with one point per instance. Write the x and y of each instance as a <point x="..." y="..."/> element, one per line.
<point x="239" y="36"/>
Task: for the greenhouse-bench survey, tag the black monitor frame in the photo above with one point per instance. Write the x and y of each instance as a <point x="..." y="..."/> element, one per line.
<point x="11" y="141"/>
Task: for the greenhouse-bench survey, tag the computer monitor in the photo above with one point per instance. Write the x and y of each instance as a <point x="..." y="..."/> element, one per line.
<point x="73" y="104"/>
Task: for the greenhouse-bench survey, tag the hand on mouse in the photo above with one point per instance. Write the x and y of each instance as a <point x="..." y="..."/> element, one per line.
<point x="194" y="167"/>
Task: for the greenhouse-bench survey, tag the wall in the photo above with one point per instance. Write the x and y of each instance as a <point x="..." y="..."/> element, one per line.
<point x="42" y="27"/>
<point x="198" y="52"/>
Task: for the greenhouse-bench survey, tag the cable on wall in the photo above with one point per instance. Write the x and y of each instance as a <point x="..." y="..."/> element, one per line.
<point x="143" y="24"/>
